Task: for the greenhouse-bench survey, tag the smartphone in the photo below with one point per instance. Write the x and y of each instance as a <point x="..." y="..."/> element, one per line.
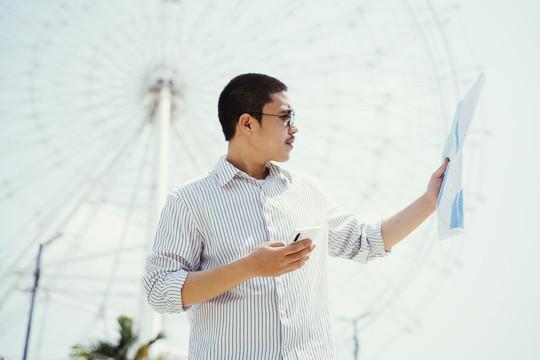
<point x="303" y="233"/>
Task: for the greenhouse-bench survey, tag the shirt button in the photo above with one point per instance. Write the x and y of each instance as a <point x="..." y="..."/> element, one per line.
<point x="283" y="313"/>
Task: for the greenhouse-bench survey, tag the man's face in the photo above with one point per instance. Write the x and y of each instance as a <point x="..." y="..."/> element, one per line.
<point x="275" y="138"/>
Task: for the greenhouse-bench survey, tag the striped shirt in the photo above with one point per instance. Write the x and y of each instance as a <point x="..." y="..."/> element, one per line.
<point x="224" y="216"/>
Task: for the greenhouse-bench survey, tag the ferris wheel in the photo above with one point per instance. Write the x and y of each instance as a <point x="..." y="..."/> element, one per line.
<point x="106" y="106"/>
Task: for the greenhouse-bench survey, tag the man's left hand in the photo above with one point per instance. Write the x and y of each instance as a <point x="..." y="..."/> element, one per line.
<point x="435" y="183"/>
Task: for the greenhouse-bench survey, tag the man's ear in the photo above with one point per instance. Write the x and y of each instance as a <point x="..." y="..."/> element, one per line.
<point x="245" y="124"/>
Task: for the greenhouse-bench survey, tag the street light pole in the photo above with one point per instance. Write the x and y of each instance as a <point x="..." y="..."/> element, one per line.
<point x="356" y="338"/>
<point x="34" y="290"/>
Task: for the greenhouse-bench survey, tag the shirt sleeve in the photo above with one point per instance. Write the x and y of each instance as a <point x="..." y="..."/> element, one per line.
<point x="177" y="251"/>
<point x="350" y="238"/>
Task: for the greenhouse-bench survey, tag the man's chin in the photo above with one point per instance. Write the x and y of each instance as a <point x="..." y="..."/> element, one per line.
<point x="285" y="158"/>
<point x="282" y="158"/>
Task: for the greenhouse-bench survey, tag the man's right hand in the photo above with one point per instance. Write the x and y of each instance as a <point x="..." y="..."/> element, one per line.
<point x="277" y="258"/>
<point x="268" y="259"/>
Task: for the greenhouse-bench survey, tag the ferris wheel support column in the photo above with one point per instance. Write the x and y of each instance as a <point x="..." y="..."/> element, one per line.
<point x="163" y="127"/>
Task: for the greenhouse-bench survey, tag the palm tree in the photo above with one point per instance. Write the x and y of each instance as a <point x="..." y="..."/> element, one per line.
<point x="106" y="350"/>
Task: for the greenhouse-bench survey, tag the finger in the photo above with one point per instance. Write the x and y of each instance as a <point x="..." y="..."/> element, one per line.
<point x="445" y="163"/>
<point x="295" y="265"/>
<point x="442" y="168"/>
<point x="301" y="253"/>
<point x="298" y="246"/>
<point x="276" y="244"/>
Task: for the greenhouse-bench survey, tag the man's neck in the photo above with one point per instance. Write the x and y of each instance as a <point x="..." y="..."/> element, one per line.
<point x="245" y="162"/>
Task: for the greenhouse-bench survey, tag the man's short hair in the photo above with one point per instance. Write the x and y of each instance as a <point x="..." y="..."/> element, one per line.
<point x="246" y="93"/>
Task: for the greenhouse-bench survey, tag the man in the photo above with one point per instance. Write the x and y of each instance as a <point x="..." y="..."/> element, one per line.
<point x="220" y="249"/>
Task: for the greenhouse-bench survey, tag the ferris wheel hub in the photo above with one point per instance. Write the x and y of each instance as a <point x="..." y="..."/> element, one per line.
<point x="157" y="79"/>
<point x="160" y="76"/>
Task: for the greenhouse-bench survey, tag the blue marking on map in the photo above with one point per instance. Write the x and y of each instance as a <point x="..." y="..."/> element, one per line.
<point x="456" y="220"/>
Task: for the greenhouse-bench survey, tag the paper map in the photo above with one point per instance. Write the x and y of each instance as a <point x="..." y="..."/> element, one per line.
<point x="450" y="201"/>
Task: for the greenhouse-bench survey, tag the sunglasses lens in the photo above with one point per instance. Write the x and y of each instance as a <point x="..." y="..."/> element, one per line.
<point x="291" y="119"/>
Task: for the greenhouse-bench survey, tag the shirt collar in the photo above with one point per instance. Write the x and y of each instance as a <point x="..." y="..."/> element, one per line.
<point x="224" y="172"/>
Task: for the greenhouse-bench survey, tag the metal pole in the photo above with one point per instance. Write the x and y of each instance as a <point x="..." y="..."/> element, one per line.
<point x="163" y="144"/>
<point x="36" y="280"/>
<point x="356" y="336"/>
<point x="356" y="340"/>
<point x="163" y="127"/>
<point x="34" y="290"/>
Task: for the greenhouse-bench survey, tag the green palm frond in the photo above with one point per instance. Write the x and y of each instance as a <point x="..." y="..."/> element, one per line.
<point x="97" y="351"/>
<point x="128" y="337"/>
<point x="142" y="352"/>
<point x="105" y="350"/>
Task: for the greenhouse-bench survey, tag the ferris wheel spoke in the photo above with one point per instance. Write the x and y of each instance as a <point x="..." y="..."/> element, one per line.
<point x="120" y="249"/>
<point x="85" y="292"/>
<point x="9" y="321"/>
<point x="50" y="163"/>
<point x="75" y="194"/>
<point x="93" y="256"/>
<point x="186" y="149"/>
<point x="202" y="38"/>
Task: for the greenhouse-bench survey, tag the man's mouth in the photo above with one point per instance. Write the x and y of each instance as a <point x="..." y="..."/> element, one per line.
<point x="290" y="141"/>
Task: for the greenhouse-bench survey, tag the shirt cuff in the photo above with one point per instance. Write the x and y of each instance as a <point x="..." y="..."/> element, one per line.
<point x="175" y="282"/>
<point x="167" y="298"/>
<point x="372" y="237"/>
